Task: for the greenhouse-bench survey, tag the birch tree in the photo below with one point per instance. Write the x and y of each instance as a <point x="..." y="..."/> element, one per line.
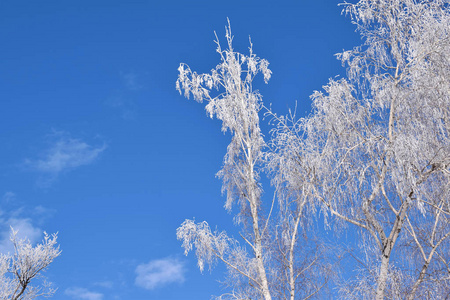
<point x="265" y="262"/>
<point x="375" y="151"/>
<point x="19" y="270"/>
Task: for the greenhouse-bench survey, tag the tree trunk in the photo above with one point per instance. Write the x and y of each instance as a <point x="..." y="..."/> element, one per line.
<point x="388" y="246"/>
<point x="382" y="278"/>
<point x="259" y="254"/>
<point x="253" y="199"/>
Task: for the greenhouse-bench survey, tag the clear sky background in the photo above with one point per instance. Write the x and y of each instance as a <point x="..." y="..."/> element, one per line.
<point x="97" y="144"/>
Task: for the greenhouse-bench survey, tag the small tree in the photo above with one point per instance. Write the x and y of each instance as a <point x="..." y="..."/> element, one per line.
<point x="19" y="270"/>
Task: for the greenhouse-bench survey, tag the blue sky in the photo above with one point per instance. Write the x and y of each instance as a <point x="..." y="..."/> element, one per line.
<point x="99" y="146"/>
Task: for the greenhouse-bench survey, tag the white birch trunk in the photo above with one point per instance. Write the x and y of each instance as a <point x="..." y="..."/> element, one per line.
<point x="258" y="248"/>
<point x="382" y="278"/>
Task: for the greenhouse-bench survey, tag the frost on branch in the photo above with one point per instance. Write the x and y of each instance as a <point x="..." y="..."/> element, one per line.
<point x="272" y="262"/>
<point x="213" y="246"/>
<point x="375" y="151"/>
<point x="237" y="105"/>
<point x="26" y="265"/>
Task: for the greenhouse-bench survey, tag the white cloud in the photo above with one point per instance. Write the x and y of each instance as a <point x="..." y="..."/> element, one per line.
<point x="24" y="220"/>
<point x="159" y="272"/>
<point x="64" y="154"/>
<point x="25" y="228"/>
<point x="83" y="294"/>
<point x="67" y="153"/>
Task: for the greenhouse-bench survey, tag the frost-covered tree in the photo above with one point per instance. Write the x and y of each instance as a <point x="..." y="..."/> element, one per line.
<point x="266" y="262"/>
<point x="375" y="150"/>
<point x="18" y="270"/>
<point x="374" y="153"/>
<point x="237" y="107"/>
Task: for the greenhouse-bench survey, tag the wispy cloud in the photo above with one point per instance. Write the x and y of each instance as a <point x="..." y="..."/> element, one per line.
<point x="159" y="272"/>
<point x="123" y="104"/>
<point x="63" y="154"/>
<point x="131" y="81"/>
<point x="8" y="197"/>
<point x="66" y="153"/>
<point x="104" y="284"/>
<point x="42" y="213"/>
<point x="83" y="294"/>
<point x="123" y="99"/>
